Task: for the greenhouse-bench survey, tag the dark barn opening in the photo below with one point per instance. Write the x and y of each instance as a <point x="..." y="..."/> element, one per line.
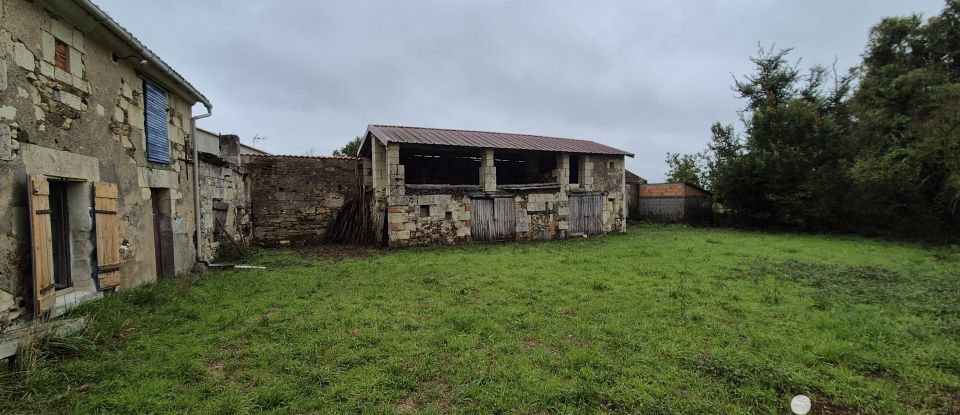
<point x="574" y="169"/>
<point x="440" y="166"/>
<point x="525" y="168"/>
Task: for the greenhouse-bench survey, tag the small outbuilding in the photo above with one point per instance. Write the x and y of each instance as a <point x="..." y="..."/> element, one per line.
<point x="674" y="202"/>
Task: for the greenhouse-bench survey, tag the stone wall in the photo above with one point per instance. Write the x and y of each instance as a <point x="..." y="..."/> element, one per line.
<point x="295" y="199"/>
<point x="84" y="124"/>
<point x="223" y="185"/>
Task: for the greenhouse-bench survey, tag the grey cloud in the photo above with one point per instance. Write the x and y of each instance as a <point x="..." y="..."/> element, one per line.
<point x="648" y="77"/>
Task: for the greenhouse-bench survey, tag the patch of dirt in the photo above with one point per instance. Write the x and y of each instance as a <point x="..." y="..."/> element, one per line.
<point x="406" y="406"/>
<point x="216" y="367"/>
<point x="337" y="252"/>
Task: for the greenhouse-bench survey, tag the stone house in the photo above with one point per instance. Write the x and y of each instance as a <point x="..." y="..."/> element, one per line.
<point x="437" y="186"/>
<point x="97" y="166"/>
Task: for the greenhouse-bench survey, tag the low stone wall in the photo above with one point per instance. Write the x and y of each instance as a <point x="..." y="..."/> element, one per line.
<point x="431" y="219"/>
<point x="295" y="199"/>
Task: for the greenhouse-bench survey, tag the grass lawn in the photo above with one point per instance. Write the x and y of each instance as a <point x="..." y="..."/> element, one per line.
<point x="662" y="320"/>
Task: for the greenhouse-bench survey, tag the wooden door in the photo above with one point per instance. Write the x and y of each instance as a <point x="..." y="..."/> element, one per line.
<point x="492" y="219"/>
<point x="586" y="214"/>
<point x="108" y="235"/>
<point x="41" y="239"/>
<point x="505" y="225"/>
<point x="481" y="224"/>
<point x="162" y="233"/>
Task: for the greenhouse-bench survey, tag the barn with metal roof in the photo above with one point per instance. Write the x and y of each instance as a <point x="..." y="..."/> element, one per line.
<point x="432" y="185"/>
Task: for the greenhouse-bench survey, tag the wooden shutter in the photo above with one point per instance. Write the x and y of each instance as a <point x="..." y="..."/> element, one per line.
<point x="42" y="244"/>
<point x="108" y="235"/>
<point x="155" y="123"/>
<point x="61" y="55"/>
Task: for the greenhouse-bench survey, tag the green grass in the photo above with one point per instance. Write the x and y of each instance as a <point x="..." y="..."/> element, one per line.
<point x="661" y="320"/>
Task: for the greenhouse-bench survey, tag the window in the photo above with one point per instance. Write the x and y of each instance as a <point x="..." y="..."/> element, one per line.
<point x="424" y="211"/>
<point x="155" y="123"/>
<point x="61" y="58"/>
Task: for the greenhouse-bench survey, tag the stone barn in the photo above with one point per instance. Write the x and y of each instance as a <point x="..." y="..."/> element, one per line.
<point x="674" y="202"/>
<point x="439" y="186"/>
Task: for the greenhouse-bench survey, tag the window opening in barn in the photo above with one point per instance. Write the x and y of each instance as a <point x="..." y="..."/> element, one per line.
<point x="574" y="169"/>
<point x="61" y="58"/>
<point x="424" y="211"/>
<point x="60" y="231"/>
<point x="528" y="167"/>
<point x="548" y="163"/>
<point x="448" y="215"/>
<point x="452" y="166"/>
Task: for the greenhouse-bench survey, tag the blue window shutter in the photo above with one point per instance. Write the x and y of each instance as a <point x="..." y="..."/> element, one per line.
<point x="155" y="123"/>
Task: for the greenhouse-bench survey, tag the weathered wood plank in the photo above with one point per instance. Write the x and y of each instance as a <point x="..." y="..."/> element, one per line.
<point x="42" y="244"/>
<point x="108" y="234"/>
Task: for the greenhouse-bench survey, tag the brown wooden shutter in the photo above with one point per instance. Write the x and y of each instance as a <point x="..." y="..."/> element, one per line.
<point x="42" y="244"/>
<point x="61" y="56"/>
<point x="108" y="234"/>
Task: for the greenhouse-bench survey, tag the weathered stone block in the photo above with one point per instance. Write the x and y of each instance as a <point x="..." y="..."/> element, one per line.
<point x="23" y="56"/>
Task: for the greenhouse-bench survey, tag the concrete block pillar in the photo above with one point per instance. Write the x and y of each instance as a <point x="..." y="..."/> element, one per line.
<point x="378" y="168"/>
<point x="396" y="175"/>
<point x="488" y="171"/>
<point x="586" y="172"/>
<point x="562" y="172"/>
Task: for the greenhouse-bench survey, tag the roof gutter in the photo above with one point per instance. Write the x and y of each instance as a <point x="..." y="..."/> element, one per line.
<point x="147" y="54"/>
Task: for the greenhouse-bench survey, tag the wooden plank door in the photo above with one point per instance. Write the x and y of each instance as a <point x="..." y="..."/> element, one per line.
<point x="492" y="219"/>
<point x="505" y="225"/>
<point x="41" y="239"/>
<point x="108" y="235"/>
<point x="482" y="219"/>
<point x="586" y="214"/>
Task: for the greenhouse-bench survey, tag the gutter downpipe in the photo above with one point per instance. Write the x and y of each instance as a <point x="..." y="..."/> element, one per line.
<point x="196" y="182"/>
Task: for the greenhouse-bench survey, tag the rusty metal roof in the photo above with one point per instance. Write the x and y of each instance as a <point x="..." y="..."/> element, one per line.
<point x="466" y="138"/>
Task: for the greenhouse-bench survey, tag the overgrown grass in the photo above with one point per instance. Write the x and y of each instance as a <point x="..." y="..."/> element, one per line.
<point x="665" y="319"/>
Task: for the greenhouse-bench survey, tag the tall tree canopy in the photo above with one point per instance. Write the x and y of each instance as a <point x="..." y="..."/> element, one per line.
<point x="816" y="152"/>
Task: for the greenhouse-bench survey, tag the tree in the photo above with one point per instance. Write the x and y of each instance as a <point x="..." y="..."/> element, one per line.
<point x="687" y="168"/>
<point x="908" y="131"/>
<point x="350" y="149"/>
<point x="787" y="167"/>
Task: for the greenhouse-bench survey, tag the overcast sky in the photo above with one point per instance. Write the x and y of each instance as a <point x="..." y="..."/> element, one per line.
<point x="648" y="77"/>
